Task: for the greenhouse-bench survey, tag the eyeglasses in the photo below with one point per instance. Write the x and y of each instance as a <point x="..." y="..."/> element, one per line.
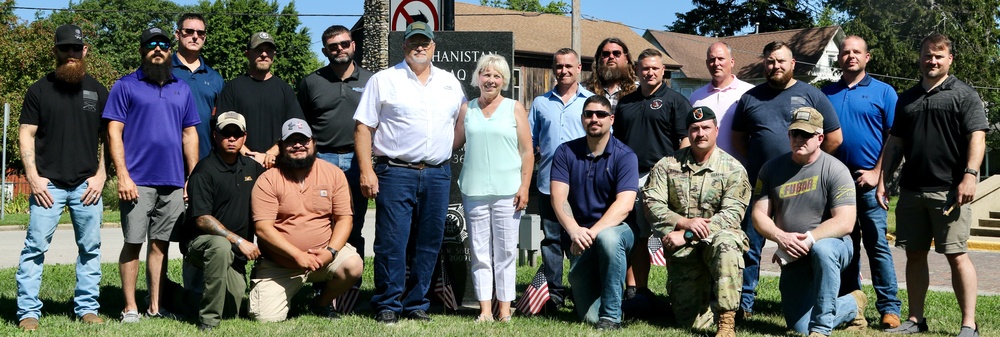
<point x="292" y="141"/>
<point x="225" y="134"/>
<point x="343" y="45"/>
<point x="802" y="134"/>
<point x="153" y="44"/>
<point x="598" y="113"/>
<point x="616" y="53"/>
<point x="189" y="31"/>
<point x="67" y="47"/>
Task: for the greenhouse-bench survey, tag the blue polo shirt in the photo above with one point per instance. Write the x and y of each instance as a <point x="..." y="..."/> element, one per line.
<point x="205" y="84"/>
<point x="553" y="123"/>
<point x="595" y="181"/>
<point x="866" y="112"/>
<point x="154" y="117"/>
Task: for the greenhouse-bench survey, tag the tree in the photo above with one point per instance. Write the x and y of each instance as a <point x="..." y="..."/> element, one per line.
<point x="728" y="17"/>
<point x="553" y="7"/>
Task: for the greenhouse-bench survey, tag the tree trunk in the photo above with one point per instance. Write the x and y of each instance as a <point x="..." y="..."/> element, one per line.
<point x="375" y="55"/>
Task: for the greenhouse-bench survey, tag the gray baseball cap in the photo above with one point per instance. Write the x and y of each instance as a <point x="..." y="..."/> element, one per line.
<point x="293" y="126"/>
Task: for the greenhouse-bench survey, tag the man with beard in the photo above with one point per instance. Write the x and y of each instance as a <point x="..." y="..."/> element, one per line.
<point x="204" y="81"/>
<point x="651" y="121"/>
<point x="264" y="99"/>
<point x="553" y="122"/>
<point x="302" y="214"/>
<point x="329" y="96"/>
<point x="614" y="74"/>
<point x="940" y="131"/>
<point x="62" y="152"/>
<point x="594" y="182"/>
<point x="406" y="118"/>
<point x="761" y="117"/>
<point x="722" y="93"/>
<point x="154" y="145"/>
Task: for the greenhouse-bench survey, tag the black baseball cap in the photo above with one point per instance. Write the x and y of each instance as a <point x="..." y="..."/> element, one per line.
<point x="69" y="35"/>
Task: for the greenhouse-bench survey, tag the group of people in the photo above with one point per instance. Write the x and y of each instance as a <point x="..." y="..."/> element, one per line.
<point x="620" y="160"/>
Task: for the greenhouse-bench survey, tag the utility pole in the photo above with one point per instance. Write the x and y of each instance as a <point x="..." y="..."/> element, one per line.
<point x="576" y="44"/>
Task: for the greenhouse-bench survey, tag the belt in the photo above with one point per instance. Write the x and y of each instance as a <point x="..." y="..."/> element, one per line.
<point x="400" y="163"/>
<point x="341" y="149"/>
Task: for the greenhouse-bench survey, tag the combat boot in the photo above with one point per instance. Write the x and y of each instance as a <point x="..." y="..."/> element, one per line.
<point x="727" y="324"/>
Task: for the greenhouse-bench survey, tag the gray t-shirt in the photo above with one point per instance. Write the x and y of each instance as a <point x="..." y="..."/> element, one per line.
<point x="801" y="196"/>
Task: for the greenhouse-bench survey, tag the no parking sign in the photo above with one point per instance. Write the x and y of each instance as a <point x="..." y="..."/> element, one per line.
<point x="404" y="12"/>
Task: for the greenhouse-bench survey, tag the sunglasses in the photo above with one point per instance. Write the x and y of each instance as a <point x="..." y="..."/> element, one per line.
<point x="67" y="47"/>
<point x="189" y="31"/>
<point x="153" y="44"/>
<point x="616" y="53"/>
<point x="227" y="133"/>
<point x="343" y="45"/>
<point x="598" y="113"/>
<point x="416" y="45"/>
<point x="802" y="134"/>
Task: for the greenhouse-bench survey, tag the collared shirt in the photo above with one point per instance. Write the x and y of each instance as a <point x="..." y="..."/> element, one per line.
<point x="653" y="125"/>
<point x="413" y="122"/>
<point x="680" y="188"/>
<point x="866" y="112"/>
<point x="205" y="84"/>
<point x="594" y="181"/>
<point x="723" y="102"/>
<point x="154" y="118"/>
<point x="553" y="123"/>
<point x="222" y="191"/>
<point x="329" y="104"/>
<point x="934" y="126"/>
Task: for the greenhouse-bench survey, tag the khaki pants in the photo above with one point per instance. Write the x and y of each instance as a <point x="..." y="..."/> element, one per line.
<point x="273" y="286"/>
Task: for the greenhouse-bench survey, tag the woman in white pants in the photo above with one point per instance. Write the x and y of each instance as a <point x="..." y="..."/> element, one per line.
<point x="494" y="182"/>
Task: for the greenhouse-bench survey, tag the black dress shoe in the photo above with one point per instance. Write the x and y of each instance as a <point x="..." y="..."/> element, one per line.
<point x="419" y="315"/>
<point x="387" y="317"/>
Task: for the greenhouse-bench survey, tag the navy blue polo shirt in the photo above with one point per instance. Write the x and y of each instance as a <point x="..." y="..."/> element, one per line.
<point x="595" y="181"/>
<point x="866" y="112"/>
<point x="205" y="83"/>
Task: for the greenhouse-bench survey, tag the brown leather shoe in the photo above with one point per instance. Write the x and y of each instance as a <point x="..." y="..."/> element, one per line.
<point x="91" y="318"/>
<point x="890" y="321"/>
<point x="28" y="324"/>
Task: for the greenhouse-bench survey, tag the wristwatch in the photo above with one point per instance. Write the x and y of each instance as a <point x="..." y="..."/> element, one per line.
<point x="972" y="172"/>
<point x="333" y="252"/>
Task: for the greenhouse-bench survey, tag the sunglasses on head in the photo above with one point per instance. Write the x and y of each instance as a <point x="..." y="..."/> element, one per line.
<point x="598" y="113"/>
<point x="153" y="44"/>
<point x="343" y="45"/>
<point x="191" y="31"/>
<point x="232" y="133"/>
<point x="802" y="134"/>
<point x="616" y="53"/>
<point x="68" y="47"/>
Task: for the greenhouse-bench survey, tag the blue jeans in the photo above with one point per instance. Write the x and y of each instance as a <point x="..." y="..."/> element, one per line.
<point x="41" y="227"/>
<point x="751" y="260"/>
<point x="598" y="275"/>
<point x="555" y="241"/>
<point x="872" y="224"/>
<point x="409" y="226"/>
<point x="347" y="163"/>
<point x="809" y="288"/>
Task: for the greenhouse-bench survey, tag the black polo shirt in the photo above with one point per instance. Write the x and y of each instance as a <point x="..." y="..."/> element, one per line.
<point x="329" y="104"/>
<point x="222" y="191"/>
<point x="653" y="125"/>
<point x="934" y="126"/>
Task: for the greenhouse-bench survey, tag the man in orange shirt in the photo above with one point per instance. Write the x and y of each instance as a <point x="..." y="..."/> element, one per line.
<point x="302" y="212"/>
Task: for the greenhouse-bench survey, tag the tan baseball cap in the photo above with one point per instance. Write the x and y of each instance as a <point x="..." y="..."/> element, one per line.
<point x="231" y="118"/>
<point x="807" y="119"/>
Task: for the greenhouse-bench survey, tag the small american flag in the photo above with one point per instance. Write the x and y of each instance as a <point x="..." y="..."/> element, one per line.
<point x="345" y="302"/>
<point x="656" y="252"/>
<point x="442" y="287"/>
<point x="534" y="298"/>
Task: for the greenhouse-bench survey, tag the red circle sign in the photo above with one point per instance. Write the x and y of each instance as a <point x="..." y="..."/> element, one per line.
<point x="408" y="10"/>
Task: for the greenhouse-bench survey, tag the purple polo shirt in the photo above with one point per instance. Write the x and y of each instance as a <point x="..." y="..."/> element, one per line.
<point x="595" y="181"/>
<point x="154" y="117"/>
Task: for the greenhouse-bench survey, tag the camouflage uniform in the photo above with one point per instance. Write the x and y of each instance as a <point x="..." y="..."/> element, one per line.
<point x="679" y="188"/>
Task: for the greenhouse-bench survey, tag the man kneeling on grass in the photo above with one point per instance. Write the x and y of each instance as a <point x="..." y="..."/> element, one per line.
<point x="302" y="211"/>
<point x="805" y="202"/>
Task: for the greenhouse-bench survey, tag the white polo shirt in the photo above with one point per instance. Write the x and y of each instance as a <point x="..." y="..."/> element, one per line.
<point x="413" y="122"/>
<point x="723" y="102"/>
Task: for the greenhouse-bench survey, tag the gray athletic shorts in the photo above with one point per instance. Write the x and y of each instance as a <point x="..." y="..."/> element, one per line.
<point x="153" y="215"/>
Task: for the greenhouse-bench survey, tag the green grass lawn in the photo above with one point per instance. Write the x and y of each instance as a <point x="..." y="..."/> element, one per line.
<point x="57" y="319"/>
<point x="22" y="219"/>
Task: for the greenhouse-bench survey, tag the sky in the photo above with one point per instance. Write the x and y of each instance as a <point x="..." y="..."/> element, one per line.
<point x="634" y="13"/>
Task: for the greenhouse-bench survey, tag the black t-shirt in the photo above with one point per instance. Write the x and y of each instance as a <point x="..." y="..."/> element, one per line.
<point x="68" y="117"/>
<point x="265" y="105"/>
<point x="934" y="126"/>
<point x="652" y="126"/>
<point x="329" y="104"/>
<point x="222" y="191"/>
